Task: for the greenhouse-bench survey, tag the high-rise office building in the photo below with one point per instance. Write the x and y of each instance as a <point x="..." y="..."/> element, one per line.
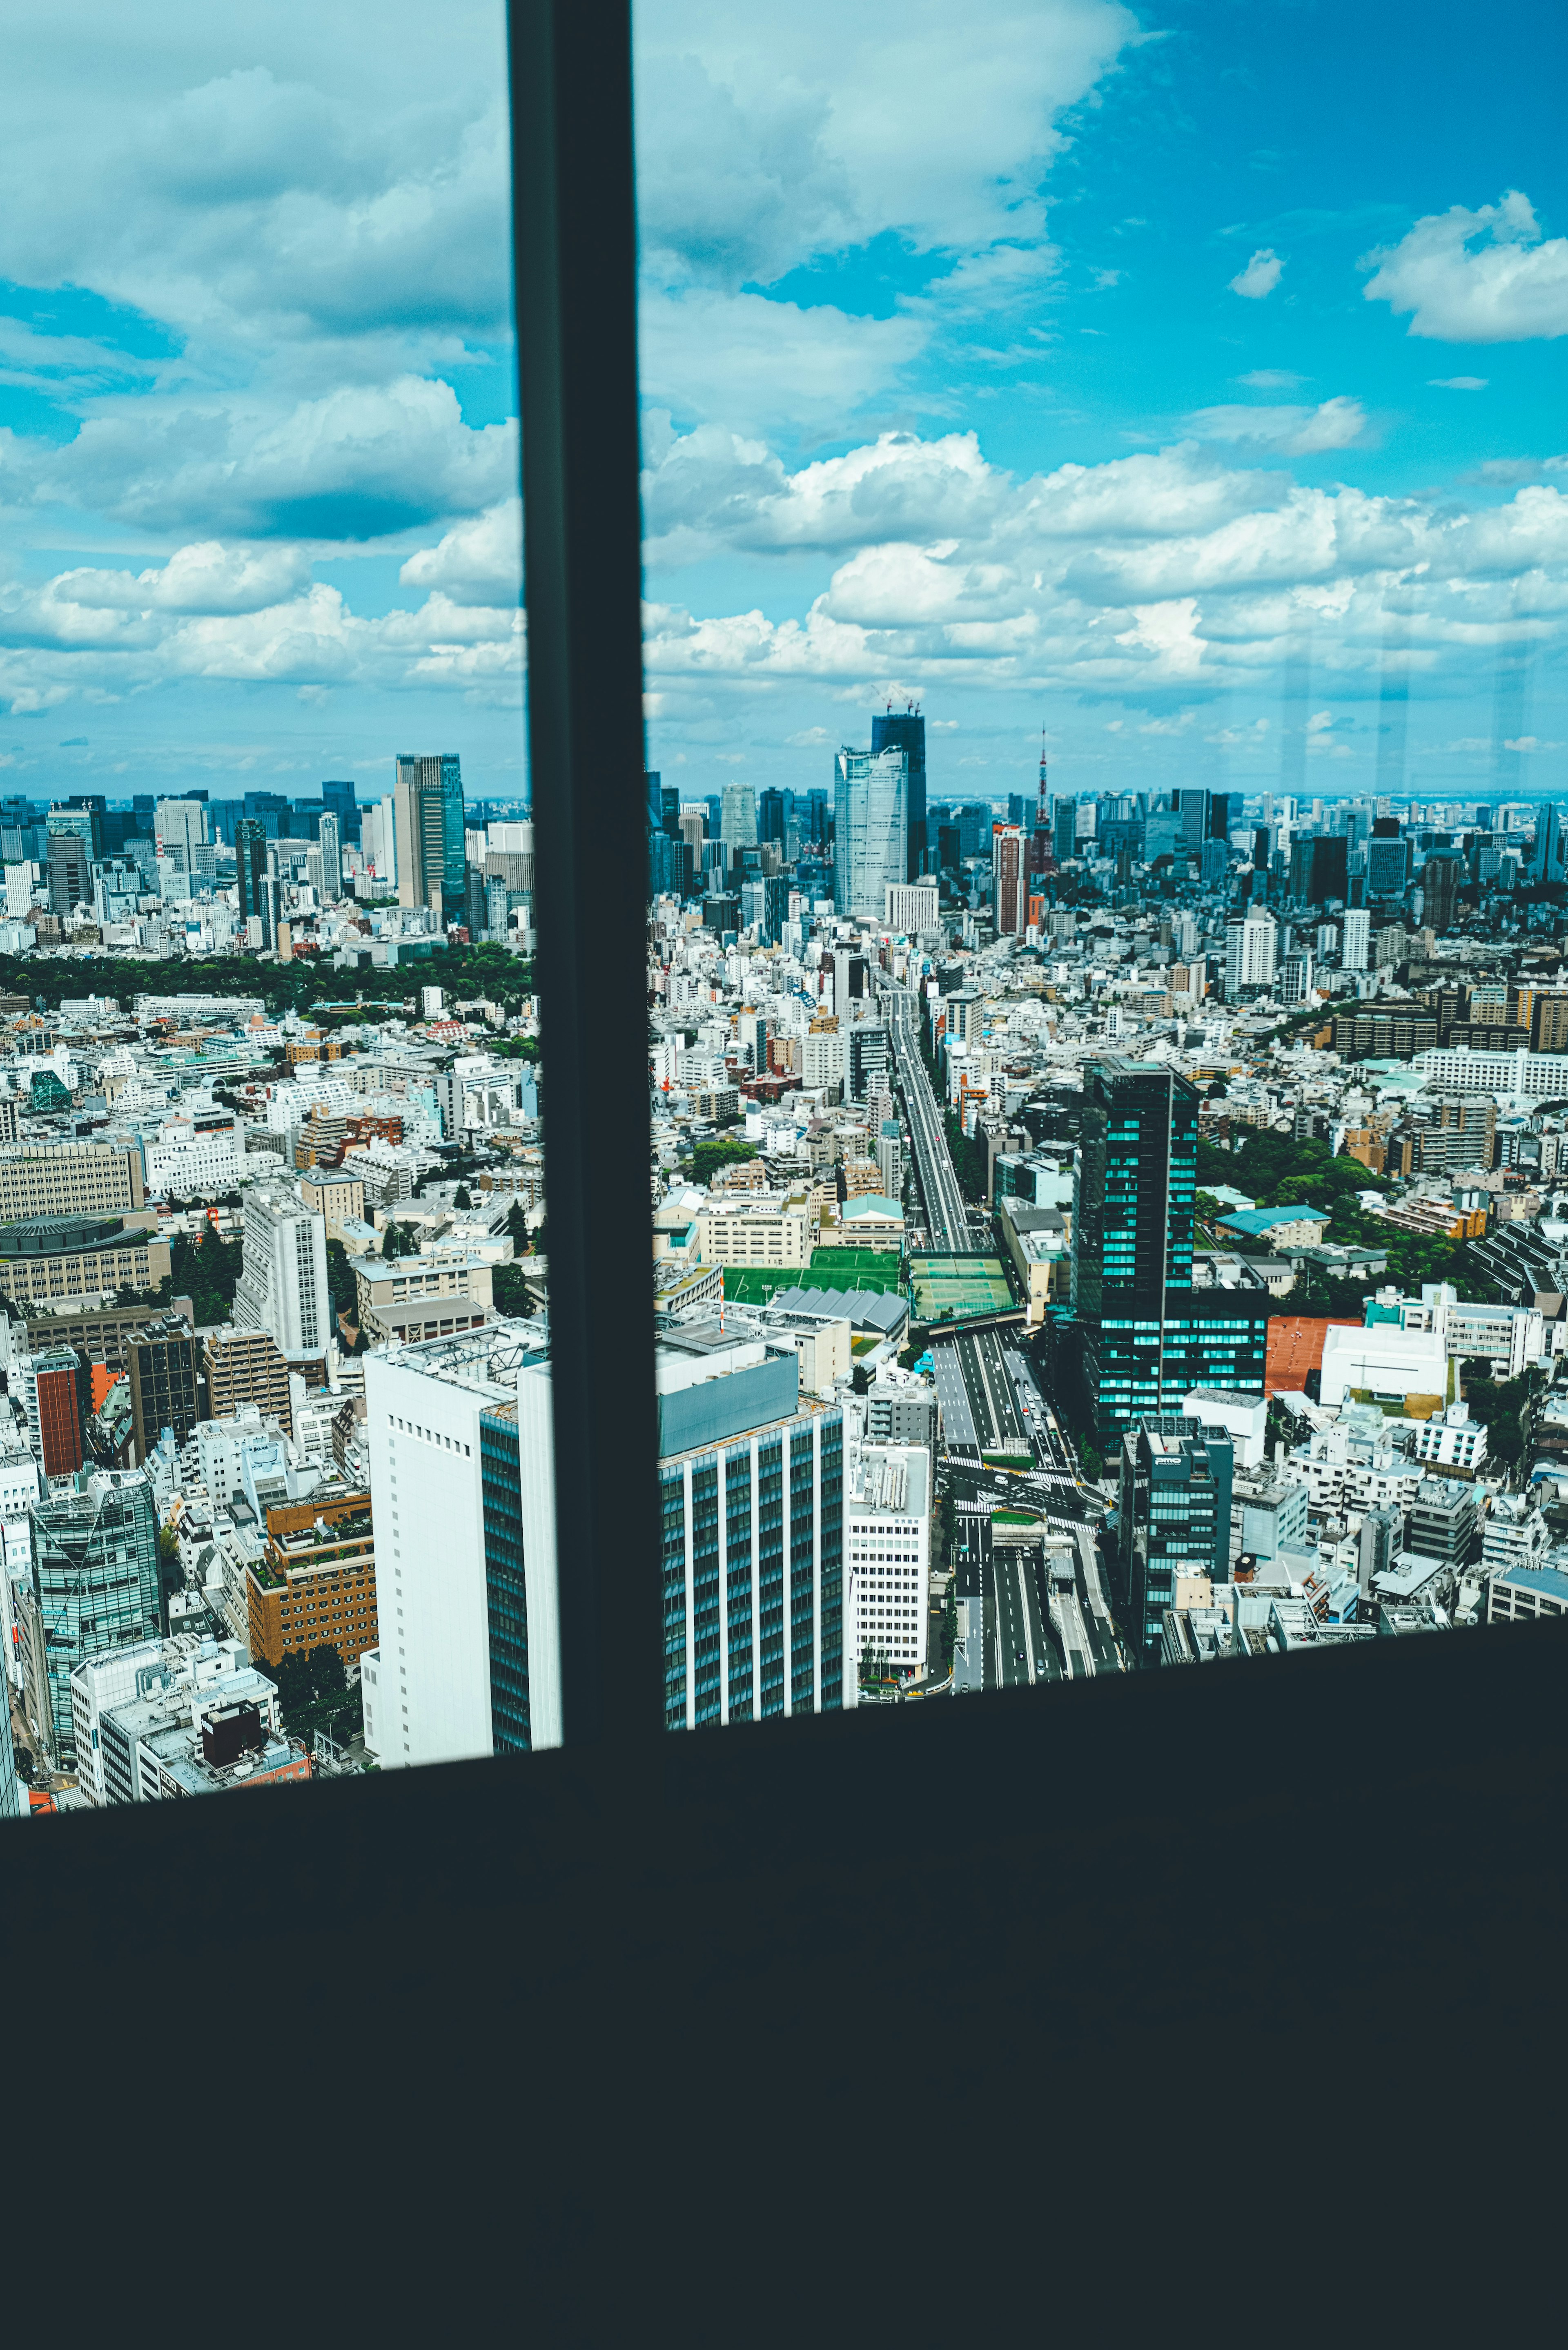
<point x="904" y="730"/>
<point x="83" y="816"/>
<point x="1065" y="831"/>
<point x="69" y="872"/>
<point x="1007" y="892"/>
<point x="331" y="854"/>
<point x="282" y="1283"/>
<point x="1173" y="1522"/>
<point x="1193" y="807"/>
<point x="1546" y="857"/>
<point x="752" y="1485"/>
<point x="772" y="814"/>
<point x="870" y="816"/>
<point x="464" y="1548"/>
<point x="1357" y="940"/>
<point x="96" y="1586"/>
<point x="338" y="796"/>
<point x="166" y="1387"/>
<point x="48" y="1386"/>
<point x="1387" y="866"/>
<point x="1142" y="1337"/>
<point x="1251" y="947"/>
<point x="428" y="820"/>
<point x="738" y="822"/>
<point x="181" y="830"/>
<point x="249" y="858"/>
<point x="1441" y="878"/>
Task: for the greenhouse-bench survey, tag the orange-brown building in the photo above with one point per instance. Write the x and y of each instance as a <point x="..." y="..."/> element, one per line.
<point x="1296" y="1348"/>
<point x="315" y="1587"/>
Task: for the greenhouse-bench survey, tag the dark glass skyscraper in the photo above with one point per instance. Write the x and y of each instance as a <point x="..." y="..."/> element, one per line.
<point x="1173" y="1519"/>
<point x="1144" y="1337"/>
<point x="905" y="730"/>
<point x="337" y="799"/>
<point x="250" y="856"/>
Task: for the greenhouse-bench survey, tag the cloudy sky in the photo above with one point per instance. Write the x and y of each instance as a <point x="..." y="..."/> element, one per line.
<point x="1185" y="380"/>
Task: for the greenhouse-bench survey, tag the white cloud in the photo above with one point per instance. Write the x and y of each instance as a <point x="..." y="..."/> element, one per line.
<point x="765" y="138"/>
<point x="757" y="362"/>
<point x="1336" y="423"/>
<point x="1482" y="276"/>
<point x="1260" y="275"/>
<point x="1270" y="379"/>
<point x="361" y="462"/>
<point x="478" y="562"/>
<point x="1457" y="382"/>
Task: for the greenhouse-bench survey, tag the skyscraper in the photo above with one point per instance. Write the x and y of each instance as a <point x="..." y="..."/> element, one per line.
<point x="904" y="730"/>
<point x="1546" y="857"/>
<point x="282" y="1283"/>
<point x="870" y="811"/>
<point x="166" y="1385"/>
<point x="96" y="1586"/>
<point x="1140" y="1331"/>
<point x="1251" y="947"/>
<point x="338" y="797"/>
<point x="1441" y="878"/>
<point x="1173" y="1519"/>
<point x="1007" y="895"/>
<point x="466" y="1548"/>
<point x="250" y="856"/>
<point x="1131" y="1237"/>
<point x="1065" y="831"/>
<point x="1357" y="940"/>
<point x="428" y="818"/>
<point x="738" y="821"/>
<point x="331" y="856"/>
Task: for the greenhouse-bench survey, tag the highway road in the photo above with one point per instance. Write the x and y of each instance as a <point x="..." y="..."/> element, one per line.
<point x="947" y="1220"/>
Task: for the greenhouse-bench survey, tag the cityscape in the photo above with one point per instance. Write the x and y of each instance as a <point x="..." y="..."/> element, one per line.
<point x="1090" y="1233"/>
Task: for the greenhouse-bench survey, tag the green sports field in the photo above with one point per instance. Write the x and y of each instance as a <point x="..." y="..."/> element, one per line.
<point x="830" y="1268"/>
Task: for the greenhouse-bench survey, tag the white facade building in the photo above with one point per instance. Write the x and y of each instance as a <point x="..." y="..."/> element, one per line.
<point x="1250" y="951"/>
<point x="887" y="1556"/>
<point x="283" y="1287"/>
<point x="196" y="1151"/>
<point x="912" y="906"/>
<point x="1356" y="947"/>
<point x="1458" y="1070"/>
<point x="1451" y="1440"/>
<point x="424" y="1403"/>
<point x="1384" y="1362"/>
<point x="19" y="1486"/>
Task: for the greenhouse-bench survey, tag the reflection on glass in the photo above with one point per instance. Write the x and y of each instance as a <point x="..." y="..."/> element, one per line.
<point x="1105" y="872"/>
<point x="275" y="1483"/>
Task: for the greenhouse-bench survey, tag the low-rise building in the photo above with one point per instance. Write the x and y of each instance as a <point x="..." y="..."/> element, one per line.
<point x="767" y="1229"/>
<point x="56" y="1257"/>
<point x="416" y="1297"/>
<point x="1525" y="1593"/>
<point x="315" y="1585"/>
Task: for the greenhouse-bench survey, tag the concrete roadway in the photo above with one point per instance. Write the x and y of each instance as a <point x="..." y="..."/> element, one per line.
<point x="1024" y="1647"/>
<point x="947" y="1218"/>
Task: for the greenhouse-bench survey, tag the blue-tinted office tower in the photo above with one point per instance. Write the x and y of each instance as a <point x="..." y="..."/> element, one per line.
<point x="1064" y="831"/>
<point x="905" y="730"/>
<point x="870" y="830"/>
<point x="751" y="1497"/>
<point x="1143" y="1337"/>
<point x="1546" y="858"/>
<point x="337" y="799"/>
<point x="1173" y="1519"/>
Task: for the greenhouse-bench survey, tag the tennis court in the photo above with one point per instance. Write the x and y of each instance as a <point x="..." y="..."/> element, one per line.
<point x="949" y="1288"/>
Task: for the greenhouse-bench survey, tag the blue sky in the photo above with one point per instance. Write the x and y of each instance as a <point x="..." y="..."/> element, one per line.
<point x="1187" y="381"/>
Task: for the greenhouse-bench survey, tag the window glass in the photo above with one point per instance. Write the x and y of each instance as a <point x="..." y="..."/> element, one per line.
<point x="274" y="1445"/>
<point x="1105" y="721"/>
